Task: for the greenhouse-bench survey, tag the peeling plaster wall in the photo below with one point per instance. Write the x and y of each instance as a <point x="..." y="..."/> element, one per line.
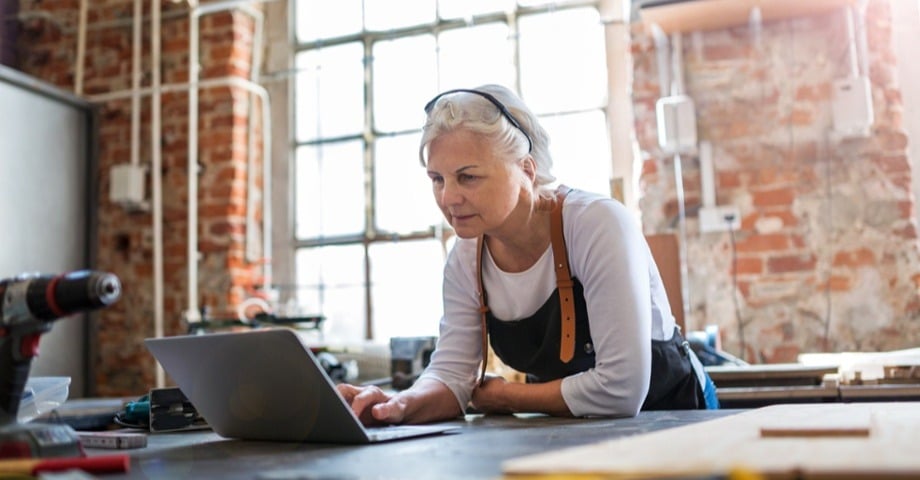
<point x="827" y="255"/>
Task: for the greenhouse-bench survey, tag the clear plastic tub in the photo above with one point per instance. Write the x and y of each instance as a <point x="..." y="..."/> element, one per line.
<point x="42" y="395"/>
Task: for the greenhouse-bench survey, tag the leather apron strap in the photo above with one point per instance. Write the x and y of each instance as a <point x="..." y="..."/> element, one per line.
<point x="563" y="283"/>
<point x="483" y="310"/>
<point x="563" y="278"/>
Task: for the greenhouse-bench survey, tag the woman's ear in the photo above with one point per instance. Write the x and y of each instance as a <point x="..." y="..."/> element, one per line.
<point x="529" y="167"/>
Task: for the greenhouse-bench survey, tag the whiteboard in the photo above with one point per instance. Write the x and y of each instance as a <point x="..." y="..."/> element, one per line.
<point x="45" y="175"/>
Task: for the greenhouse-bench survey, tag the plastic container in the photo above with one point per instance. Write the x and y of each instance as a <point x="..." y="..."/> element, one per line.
<point x="42" y="395"/>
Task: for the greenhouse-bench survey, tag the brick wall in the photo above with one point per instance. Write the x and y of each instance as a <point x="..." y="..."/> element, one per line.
<point x="47" y="49"/>
<point x="827" y="254"/>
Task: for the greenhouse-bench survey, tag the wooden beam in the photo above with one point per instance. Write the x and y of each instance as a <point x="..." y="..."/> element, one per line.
<point x="694" y="15"/>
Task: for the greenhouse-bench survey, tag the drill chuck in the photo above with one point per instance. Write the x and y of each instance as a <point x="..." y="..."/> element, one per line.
<point x="47" y="297"/>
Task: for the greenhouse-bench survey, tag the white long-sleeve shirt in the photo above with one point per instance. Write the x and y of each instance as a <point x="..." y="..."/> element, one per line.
<point x="626" y="301"/>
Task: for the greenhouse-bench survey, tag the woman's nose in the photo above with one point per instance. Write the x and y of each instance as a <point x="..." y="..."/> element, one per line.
<point x="450" y="194"/>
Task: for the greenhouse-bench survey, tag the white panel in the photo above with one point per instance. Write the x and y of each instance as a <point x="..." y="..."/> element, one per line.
<point x="43" y="215"/>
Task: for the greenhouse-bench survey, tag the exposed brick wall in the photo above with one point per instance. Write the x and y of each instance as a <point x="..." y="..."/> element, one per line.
<point x="47" y="49"/>
<point x="827" y="253"/>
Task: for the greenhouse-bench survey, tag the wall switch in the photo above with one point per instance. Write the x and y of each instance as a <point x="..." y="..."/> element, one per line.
<point x="851" y="107"/>
<point x="720" y="218"/>
<point x="676" y="118"/>
<point x="126" y="185"/>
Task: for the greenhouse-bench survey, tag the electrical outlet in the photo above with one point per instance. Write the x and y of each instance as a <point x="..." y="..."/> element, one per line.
<point x="720" y="218"/>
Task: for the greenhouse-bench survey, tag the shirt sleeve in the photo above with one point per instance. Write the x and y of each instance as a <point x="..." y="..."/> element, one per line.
<point x="609" y="255"/>
<point x="456" y="360"/>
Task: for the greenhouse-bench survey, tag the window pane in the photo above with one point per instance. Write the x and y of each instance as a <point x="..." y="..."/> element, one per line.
<point x="469" y="8"/>
<point x="406" y="282"/>
<point x="404" y="79"/>
<point x="323" y="19"/>
<point x="330" y="282"/>
<point x="392" y="14"/>
<point x="403" y="190"/>
<point x="474" y="56"/>
<point x="330" y="92"/>
<point x="563" y="65"/>
<point x="580" y="148"/>
<point x="329" y="189"/>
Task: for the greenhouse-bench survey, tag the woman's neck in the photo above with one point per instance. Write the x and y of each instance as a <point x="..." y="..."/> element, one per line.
<point x="521" y="243"/>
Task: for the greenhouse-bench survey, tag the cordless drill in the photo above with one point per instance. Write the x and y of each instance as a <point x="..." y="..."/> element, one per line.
<point x="28" y="305"/>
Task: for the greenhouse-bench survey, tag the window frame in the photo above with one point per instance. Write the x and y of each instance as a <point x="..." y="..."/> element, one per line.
<point x="369" y="135"/>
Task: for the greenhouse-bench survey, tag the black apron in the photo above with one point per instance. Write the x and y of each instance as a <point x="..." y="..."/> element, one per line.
<point x="531" y="346"/>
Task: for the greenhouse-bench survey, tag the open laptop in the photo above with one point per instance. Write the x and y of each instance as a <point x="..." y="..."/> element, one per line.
<point x="267" y="385"/>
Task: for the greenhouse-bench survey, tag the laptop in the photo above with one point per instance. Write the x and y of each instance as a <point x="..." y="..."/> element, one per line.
<point x="267" y="385"/>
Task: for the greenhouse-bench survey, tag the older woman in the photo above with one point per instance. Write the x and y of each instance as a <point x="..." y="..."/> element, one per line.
<point x="560" y="282"/>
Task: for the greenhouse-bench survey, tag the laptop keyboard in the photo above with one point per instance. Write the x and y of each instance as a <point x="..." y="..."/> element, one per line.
<point x="401" y="431"/>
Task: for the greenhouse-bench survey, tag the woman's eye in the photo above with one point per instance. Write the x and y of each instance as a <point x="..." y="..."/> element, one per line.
<point x="463" y="177"/>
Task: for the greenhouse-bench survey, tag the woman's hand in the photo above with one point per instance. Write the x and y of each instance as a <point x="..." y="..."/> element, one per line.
<point x="492" y="396"/>
<point x="372" y="405"/>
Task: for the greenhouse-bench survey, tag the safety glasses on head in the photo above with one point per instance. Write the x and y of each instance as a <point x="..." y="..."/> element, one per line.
<point x="499" y="105"/>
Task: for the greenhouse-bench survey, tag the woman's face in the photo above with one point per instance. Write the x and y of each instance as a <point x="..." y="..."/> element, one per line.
<point x="476" y="190"/>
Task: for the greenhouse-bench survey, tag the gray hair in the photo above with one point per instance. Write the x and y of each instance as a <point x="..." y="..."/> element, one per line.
<point x="464" y="110"/>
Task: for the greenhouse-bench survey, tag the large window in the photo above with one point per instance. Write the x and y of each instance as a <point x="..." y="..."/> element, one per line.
<point x="370" y="242"/>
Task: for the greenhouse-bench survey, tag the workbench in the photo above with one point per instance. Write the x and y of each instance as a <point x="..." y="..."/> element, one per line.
<point x="475" y="451"/>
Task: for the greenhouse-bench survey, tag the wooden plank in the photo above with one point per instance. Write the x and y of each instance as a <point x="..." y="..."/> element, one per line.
<point x="666" y="252"/>
<point x="772" y="371"/>
<point x="722" y="446"/>
<point x="696" y="15"/>
<point x="831" y="431"/>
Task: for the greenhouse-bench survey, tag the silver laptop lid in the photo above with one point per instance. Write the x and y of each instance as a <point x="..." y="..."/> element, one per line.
<point x="258" y="385"/>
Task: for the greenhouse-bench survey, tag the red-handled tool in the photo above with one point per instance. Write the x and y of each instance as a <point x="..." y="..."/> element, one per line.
<point x="101" y="464"/>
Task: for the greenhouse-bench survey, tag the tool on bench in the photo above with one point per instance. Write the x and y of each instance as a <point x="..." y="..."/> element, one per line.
<point x="29" y="304"/>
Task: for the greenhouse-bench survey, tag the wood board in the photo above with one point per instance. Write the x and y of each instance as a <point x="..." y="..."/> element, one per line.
<point x="735" y="443"/>
<point x="703" y="15"/>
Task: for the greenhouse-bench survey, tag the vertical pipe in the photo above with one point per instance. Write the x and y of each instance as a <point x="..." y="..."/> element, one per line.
<point x="251" y="254"/>
<point x="625" y="159"/>
<point x="677" y="64"/>
<point x="81" y="48"/>
<point x="682" y="231"/>
<point x="192" y="314"/>
<point x="266" y="156"/>
<point x="707" y="175"/>
<point x="662" y="53"/>
<point x="136" y="82"/>
<point x="156" y="178"/>
<point x="851" y="42"/>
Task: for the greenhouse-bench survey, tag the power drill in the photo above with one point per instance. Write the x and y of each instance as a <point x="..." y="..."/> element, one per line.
<point x="29" y="304"/>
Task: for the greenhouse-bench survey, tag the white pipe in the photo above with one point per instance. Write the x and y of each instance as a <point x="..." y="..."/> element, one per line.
<point x="197" y="11"/>
<point x="662" y="53"/>
<point x="193" y="87"/>
<point x="136" y="83"/>
<point x="236" y="82"/>
<point x="81" y="48"/>
<point x="677" y="64"/>
<point x="254" y="70"/>
<point x="851" y="42"/>
<point x="862" y="38"/>
<point x="156" y="160"/>
<point x="707" y="175"/>
<point x="192" y="314"/>
<point x="755" y="24"/>
<point x="682" y="231"/>
<point x="214" y="7"/>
